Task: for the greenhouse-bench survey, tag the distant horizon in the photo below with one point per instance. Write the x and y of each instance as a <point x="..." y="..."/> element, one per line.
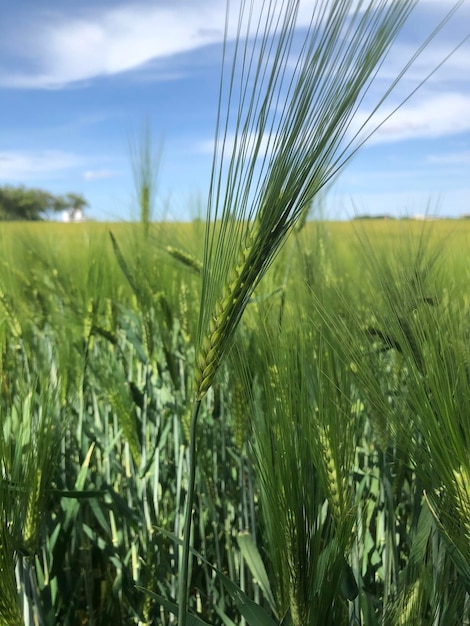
<point x="78" y="84"/>
<point x="419" y="217"/>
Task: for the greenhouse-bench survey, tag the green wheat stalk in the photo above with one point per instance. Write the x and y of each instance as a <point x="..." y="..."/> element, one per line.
<point x="145" y="167"/>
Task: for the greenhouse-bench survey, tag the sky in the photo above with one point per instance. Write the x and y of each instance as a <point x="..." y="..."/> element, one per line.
<point x="81" y="83"/>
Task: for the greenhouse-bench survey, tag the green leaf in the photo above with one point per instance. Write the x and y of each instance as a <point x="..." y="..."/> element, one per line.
<point x="254" y="614"/>
<point x="124" y="267"/>
<point x="348" y="584"/>
<point x="253" y="559"/>
<point x="191" y="620"/>
<point x="287" y="619"/>
<point x="71" y="507"/>
<point x="79" y="495"/>
<point x="226" y="620"/>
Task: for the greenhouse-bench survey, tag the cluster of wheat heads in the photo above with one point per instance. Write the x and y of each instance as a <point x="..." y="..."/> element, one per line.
<point x="282" y="134"/>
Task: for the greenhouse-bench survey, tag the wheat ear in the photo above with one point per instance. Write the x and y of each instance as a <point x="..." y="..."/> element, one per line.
<point x="228" y="310"/>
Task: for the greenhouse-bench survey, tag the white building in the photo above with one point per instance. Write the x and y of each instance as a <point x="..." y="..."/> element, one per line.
<point x="73" y="215"/>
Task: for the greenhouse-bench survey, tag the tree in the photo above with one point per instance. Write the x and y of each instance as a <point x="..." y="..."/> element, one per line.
<point x="21" y="203"/>
<point x="74" y="203"/>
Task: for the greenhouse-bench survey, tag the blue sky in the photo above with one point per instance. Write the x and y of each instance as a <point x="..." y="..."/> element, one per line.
<point x="80" y="80"/>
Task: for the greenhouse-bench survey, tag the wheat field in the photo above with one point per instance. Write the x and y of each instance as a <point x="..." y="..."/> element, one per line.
<point x="332" y="484"/>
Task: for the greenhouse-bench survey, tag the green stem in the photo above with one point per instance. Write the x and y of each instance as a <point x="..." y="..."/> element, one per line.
<point x="184" y="570"/>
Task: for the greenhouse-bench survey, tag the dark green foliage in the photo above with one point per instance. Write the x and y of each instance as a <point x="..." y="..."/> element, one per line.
<point x="21" y="203"/>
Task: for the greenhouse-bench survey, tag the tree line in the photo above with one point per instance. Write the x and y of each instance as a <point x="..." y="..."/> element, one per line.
<point x="22" y="203"/>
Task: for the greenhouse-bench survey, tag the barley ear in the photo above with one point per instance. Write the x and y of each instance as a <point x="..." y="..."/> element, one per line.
<point x="228" y="310"/>
<point x="185" y="258"/>
<point x="33" y="516"/>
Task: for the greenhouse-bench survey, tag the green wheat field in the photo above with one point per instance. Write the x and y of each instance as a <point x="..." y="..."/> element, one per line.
<point x="333" y="476"/>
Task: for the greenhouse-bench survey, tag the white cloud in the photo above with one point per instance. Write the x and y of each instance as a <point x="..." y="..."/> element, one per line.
<point x="91" y="175"/>
<point x="434" y="62"/>
<point x="426" y="117"/>
<point x="111" y="41"/>
<point x="435" y="115"/>
<point x="249" y="145"/>
<point x="65" y="48"/>
<point x="26" y="166"/>
<point x="450" y="158"/>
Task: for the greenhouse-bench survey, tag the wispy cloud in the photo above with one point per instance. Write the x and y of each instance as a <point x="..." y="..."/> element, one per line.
<point x="58" y="48"/>
<point x="434" y="62"/>
<point x="450" y="158"/>
<point x="34" y="166"/>
<point x="228" y="145"/>
<point x="426" y="117"/>
<point x="64" y="49"/>
<point x="429" y="116"/>
<point x="92" y="175"/>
